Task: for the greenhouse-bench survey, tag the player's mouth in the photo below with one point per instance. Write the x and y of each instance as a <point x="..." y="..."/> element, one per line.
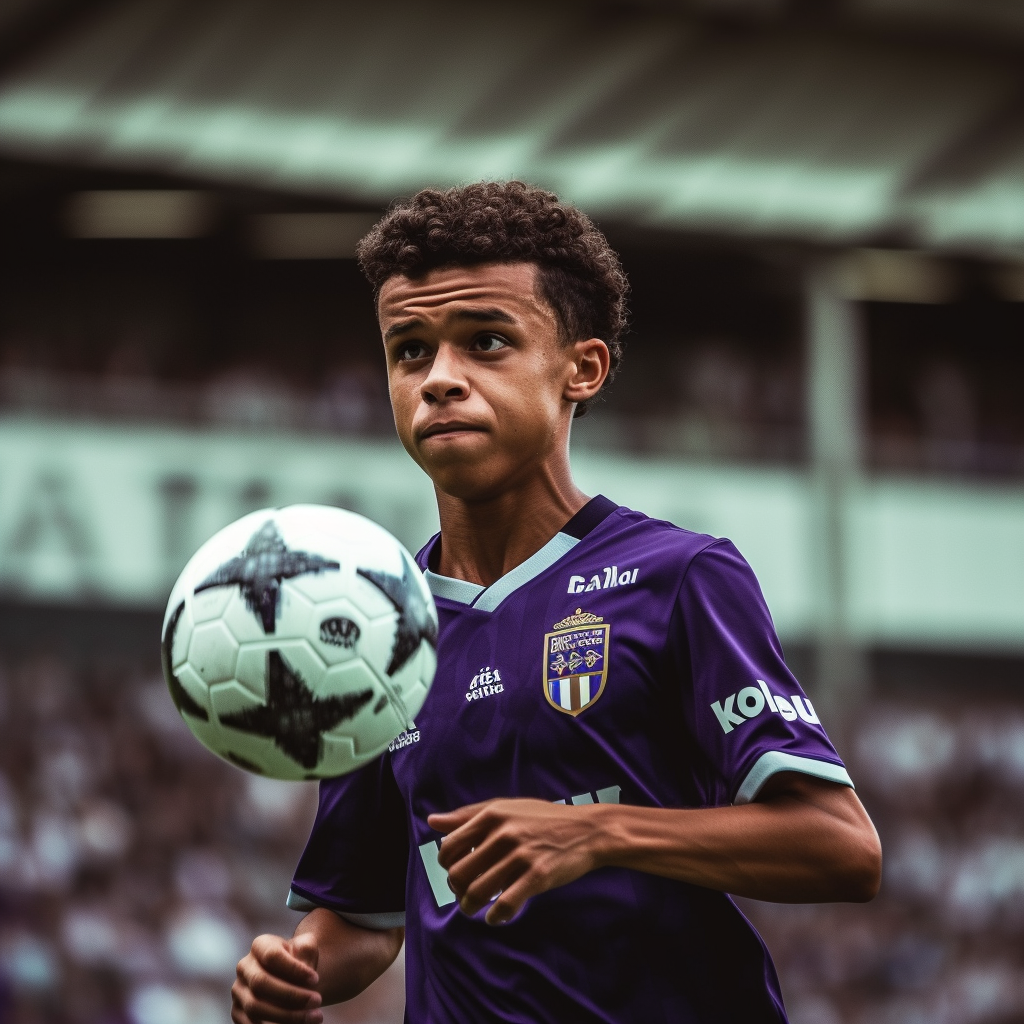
<point x="450" y="428"/>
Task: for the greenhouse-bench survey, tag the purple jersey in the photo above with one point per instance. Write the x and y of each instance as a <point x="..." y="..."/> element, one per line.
<point x="626" y="661"/>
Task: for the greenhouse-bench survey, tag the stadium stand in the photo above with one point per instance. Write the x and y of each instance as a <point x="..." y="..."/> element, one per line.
<point x="134" y="866"/>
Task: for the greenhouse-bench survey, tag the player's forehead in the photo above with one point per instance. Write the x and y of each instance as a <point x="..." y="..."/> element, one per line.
<point x="441" y="293"/>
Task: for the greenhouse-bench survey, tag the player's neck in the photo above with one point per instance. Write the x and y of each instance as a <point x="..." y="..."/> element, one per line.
<point x="483" y="540"/>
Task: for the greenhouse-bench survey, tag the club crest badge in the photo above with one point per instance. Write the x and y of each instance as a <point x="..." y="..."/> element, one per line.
<point x="576" y="661"/>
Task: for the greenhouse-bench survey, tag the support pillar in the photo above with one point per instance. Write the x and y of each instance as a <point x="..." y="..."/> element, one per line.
<point x="835" y="384"/>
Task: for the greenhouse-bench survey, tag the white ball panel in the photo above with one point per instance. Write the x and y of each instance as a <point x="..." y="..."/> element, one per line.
<point x="371" y="732"/>
<point x="339" y="757"/>
<point x="378" y="641"/>
<point x="182" y="637"/>
<point x="210" y="734"/>
<point x="213" y="651"/>
<point x="304" y="662"/>
<point x="369" y="596"/>
<point x="301" y="524"/>
<point x="296" y="613"/>
<point x="259" y="752"/>
<point x="243" y="623"/>
<point x="352" y="677"/>
<point x="193" y="686"/>
<point x="231" y="697"/>
<point x="210" y="604"/>
<point x="324" y="586"/>
<point x="251" y="668"/>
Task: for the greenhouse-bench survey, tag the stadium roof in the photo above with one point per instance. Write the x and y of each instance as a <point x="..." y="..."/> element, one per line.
<point x="658" y="114"/>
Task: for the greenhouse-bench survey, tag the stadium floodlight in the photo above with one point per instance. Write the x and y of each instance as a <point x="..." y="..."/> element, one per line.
<point x="895" y="275"/>
<point x="139" y="213"/>
<point x="309" y="236"/>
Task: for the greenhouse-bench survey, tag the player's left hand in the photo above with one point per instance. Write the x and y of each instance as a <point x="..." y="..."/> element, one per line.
<point x="513" y="849"/>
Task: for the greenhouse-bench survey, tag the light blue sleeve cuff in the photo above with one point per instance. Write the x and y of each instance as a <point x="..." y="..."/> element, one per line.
<point x="776" y="761"/>
<point x="297" y="902"/>
<point x="376" y="922"/>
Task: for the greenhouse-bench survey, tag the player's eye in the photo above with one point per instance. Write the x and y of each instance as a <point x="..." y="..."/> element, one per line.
<point x="489" y="343"/>
<point x="412" y="350"/>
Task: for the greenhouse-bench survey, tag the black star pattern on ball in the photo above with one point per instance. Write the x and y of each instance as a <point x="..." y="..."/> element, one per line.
<point x="259" y="570"/>
<point x="294" y="717"/>
<point x="182" y="700"/>
<point x="415" y="623"/>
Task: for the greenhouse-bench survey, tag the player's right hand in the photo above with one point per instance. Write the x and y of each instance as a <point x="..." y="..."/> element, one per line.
<point x="277" y="982"/>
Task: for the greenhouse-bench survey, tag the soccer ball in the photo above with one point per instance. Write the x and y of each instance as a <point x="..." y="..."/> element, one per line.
<point x="299" y="642"/>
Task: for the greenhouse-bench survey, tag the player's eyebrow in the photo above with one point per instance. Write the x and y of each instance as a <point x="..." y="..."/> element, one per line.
<point x="402" y="326"/>
<point x="485" y="315"/>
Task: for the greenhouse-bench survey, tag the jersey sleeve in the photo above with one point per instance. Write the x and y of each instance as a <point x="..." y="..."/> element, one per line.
<point x="744" y="708"/>
<point x="357" y="855"/>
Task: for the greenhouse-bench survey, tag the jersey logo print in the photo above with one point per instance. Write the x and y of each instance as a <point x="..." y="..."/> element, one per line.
<point x="484" y="684"/>
<point x="739" y="708"/>
<point x="576" y="662"/>
<point x="611" y="578"/>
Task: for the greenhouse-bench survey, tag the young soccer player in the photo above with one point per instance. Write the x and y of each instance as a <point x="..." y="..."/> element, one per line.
<point x="613" y="741"/>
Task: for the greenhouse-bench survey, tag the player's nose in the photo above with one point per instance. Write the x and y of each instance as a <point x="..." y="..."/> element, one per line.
<point x="445" y="379"/>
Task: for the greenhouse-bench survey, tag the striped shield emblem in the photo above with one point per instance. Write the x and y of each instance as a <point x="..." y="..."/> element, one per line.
<point x="576" y="661"/>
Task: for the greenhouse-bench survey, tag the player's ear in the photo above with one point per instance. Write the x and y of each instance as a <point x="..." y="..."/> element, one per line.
<point x="591" y="361"/>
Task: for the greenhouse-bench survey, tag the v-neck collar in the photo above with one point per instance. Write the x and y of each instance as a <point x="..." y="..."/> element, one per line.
<point x="488" y="598"/>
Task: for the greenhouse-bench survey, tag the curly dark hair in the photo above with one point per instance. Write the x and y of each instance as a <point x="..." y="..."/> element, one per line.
<point x="580" y="275"/>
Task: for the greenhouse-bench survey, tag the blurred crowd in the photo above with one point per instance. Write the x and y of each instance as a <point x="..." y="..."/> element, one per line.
<point x="942" y="944"/>
<point x="712" y="398"/>
<point x="706" y="398"/>
<point x="947" y="426"/>
<point x="135" y="867"/>
<point x="351" y="399"/>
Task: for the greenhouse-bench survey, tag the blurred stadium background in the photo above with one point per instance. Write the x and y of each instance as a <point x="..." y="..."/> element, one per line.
<point x="821" y="206"/>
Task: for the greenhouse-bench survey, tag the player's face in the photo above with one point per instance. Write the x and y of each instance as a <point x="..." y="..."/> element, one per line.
<point x="482" y="385"/>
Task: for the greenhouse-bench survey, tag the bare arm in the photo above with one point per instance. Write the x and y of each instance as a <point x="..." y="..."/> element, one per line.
<point x="802" y="841"/>
<point x="327" y="960"/>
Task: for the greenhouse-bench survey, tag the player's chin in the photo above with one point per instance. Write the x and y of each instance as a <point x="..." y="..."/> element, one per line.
<point x="473" y="480"/>
<point x="462" y="464"/>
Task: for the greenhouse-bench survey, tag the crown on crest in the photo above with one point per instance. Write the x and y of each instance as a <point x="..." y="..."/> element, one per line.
<point x="578" y="618"/>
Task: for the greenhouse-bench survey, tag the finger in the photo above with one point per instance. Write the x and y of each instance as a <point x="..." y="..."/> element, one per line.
<point x="266" y="1013"/>
<point x="491" y="884"/>
<point x="247" y="1007"/>
<point x="304" y="947"/>
<point x="275" y="957"/>
<point x="446" y="821"/>
<point x="468" y="837"/>
<point x="267" y="988"/>
<point x="238" y="1015"/>
<point x="511" y="900"/>
<point x="477" y="861"/>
